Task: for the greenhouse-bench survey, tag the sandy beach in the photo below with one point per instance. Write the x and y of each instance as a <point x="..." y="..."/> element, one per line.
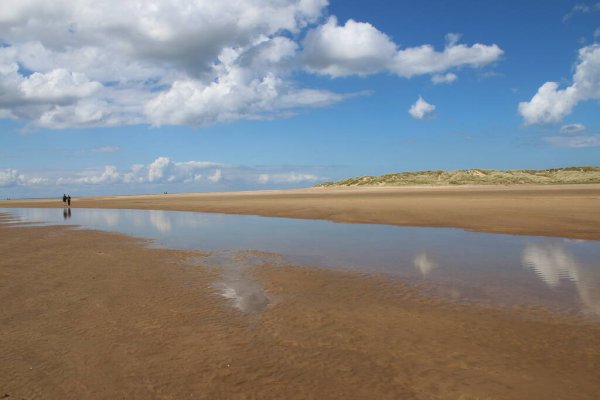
<point x="93" y="315"/>
<point x="555" y="210"/>
<point x="96" y="315"/>
<point x="299" y="199"/>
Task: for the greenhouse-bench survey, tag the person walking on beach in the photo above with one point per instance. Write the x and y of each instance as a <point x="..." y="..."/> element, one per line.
<point x="69" y="200"/>
<point x="64" y="199"/>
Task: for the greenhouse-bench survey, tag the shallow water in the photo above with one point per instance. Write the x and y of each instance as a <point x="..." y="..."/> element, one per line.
<point x="506" y="270"/>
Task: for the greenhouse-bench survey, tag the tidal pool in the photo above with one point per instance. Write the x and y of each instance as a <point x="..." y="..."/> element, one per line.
<point x="504" y="270"/>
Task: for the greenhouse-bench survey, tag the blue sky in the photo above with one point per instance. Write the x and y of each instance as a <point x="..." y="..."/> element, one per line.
<point x="146" y="98"/>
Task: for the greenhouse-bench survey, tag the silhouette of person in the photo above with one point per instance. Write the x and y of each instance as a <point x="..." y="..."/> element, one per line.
<point x="64" y="199"/>
<point x="69" y="200"/>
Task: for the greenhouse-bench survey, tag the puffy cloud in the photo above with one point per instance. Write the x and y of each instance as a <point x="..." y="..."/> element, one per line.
<point x="12" y="177"/>
<point x="572" y="128"/>
<point x="85" y="63"/>
<point x="358" y="48"/>
<point x="443" y="78"/>
<point x="22" y="95"/>
<point x="266" y="53"/>
<point x="90" y="112"/>
<point x="8" y="177"/>
<point x="33" y="181"/>
<point x="355" y="48"/>
<point x="59" y="98"/>
<point x="247" y="86"/>
<point x="421" y="109"/>
<point x="58" y="85"/>
<point x="163" y="170"/>
<point x="551" y="104"/>
<point x="577" y="141"/>
<point x="216" y="176"/>
<point x="190" y="33"/>
<point x="112" y="63"/>
<point x="110" y="174"/>
<point x="234" y="95"/>
<point x="425" y="60"/>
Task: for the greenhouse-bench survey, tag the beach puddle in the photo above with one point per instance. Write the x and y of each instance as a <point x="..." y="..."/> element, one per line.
<point x="495" y="269"/>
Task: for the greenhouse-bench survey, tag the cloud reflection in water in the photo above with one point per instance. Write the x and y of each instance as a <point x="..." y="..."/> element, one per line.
<point x="425" y="263"/>
<point x="552" y="263"/>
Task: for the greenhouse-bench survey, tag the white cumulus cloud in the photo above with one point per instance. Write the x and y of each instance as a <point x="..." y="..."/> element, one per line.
<point x="216" y="176"/>
<point x="87" y="63"/>
<point x="163" y="170"/>
<point x="8" y="177"/>
<point x="551" y="104"/>
<point x="235" y="95"/>
<point x="12" y="177"/>
<point x="57" y="85"/>
<point x="421" y="109"/>
<point x="358" y="48"/>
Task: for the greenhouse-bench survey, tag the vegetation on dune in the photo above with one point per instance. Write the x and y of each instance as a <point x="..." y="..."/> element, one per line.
<point x="569" y="175"/>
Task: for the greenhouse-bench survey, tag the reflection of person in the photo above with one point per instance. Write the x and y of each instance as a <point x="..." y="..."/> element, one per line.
<point x="69" y="213"/>
<point x="64" y="199"/>
<point x="64" y="213"/>
<point x="69" y="200"/>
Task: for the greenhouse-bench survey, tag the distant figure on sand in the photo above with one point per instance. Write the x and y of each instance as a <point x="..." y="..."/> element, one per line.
<point x="69" y="200"/>
<point x="64" y="199"/>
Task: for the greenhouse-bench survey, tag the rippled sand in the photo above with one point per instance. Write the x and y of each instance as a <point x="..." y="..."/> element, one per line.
<point x="92" y="315"/>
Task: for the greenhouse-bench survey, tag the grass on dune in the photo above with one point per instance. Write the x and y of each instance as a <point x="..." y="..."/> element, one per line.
<point x="570" y="175"/>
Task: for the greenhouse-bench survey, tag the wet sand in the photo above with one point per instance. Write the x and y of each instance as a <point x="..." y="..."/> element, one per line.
<point x="555" y="210"/>
<point x="93" y="315"/>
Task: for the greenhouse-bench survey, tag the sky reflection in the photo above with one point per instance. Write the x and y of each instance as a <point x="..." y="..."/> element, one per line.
<point x="501" y="269"/>
<point x="554" y="264"/>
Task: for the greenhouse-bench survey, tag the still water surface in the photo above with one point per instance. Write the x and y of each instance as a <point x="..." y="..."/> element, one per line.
<point x="506" y="270"/>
